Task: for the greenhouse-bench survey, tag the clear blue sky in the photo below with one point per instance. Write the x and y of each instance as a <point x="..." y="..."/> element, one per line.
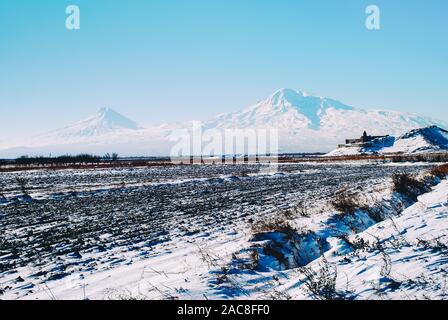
<point x="172" y="60"/>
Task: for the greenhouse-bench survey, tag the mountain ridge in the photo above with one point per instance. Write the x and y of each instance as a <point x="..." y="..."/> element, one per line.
<point x="305" y="123"/>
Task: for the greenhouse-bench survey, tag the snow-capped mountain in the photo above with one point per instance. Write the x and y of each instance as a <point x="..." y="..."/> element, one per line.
<point x="102" y="132"/>
<point x="102" y="123"/>
<point x="305" y="123"/>
<point x="285" y="109"/>
<point x="422" y="140"/>
<point x="315" y="124"/>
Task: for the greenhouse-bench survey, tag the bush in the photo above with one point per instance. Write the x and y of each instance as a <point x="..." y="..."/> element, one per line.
<point x="302" y="210"/>
<point x="277" y="224"/>
<point x="408" y="185"/>
<point x="356" y="243"/>
<point x="437" y="244"/>
<point x="321" y="284"/>
<point x="345" y="203"/>
<point x="440" y="171"/>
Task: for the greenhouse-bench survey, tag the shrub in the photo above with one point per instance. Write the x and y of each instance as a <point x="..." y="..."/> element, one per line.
<point x="287" y="214"/>
<point x="356" y="243"/>
<point x="408" y="185"/>
<point x="436" y="244"/>
<point x="302" y="210"/>
<point x="440" y="171"/>
<point x="277" y="224"/>
<point x="345" y="203"/>
<point x="322" y="284"/>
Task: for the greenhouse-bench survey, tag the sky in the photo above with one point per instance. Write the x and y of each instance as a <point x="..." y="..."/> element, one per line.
<point x="161" y="61"/>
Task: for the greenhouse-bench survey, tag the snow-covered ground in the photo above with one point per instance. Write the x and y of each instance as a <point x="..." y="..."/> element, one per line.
<point x="417" y="141"/>
<point x="403" y="257"/>
<point x="189" y="232"/>
<point x="408" y="255"/>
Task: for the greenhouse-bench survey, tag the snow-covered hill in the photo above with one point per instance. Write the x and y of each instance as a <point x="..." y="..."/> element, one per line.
<point x="104" y="122"/>
<point x="305" y="123"/>
<point x="428" y="139"/>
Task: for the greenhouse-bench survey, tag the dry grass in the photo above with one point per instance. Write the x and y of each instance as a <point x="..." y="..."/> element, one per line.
<point x="254" y="259"/>
<point x="277" y="224"/>
<point x="22" y="182"/>
<point x="345" y="203"/>
<point x="408" y="185"/>
<point x="440" y="171"/>
<point x="429" y="157"/>
<point x="321" y="284"/>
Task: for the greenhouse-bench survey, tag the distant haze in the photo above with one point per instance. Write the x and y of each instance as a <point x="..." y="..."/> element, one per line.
<point x="176" y="60"/>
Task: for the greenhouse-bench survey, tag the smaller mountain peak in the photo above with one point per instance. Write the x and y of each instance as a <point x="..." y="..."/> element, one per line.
<point x="107" y="117"/>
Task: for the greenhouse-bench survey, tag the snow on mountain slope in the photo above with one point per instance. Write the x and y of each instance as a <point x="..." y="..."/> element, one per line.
<point x="428" y="139"/>
<point x="312" y="124"/>
<point x="105" y="131"/>
<point x="285" y="109"/>
<point x="104" y="122"/>
<point x="305" y="123"/>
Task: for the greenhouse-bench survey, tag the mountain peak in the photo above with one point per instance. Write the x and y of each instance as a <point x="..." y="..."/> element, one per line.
<point x="109" y="118"/>
<point x="106" y="110"/>
<point x="104" y="121"/>
<point x="286" y="95"/>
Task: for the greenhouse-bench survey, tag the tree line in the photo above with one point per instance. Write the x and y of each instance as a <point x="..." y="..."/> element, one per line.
<point x="64" y="159"/>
